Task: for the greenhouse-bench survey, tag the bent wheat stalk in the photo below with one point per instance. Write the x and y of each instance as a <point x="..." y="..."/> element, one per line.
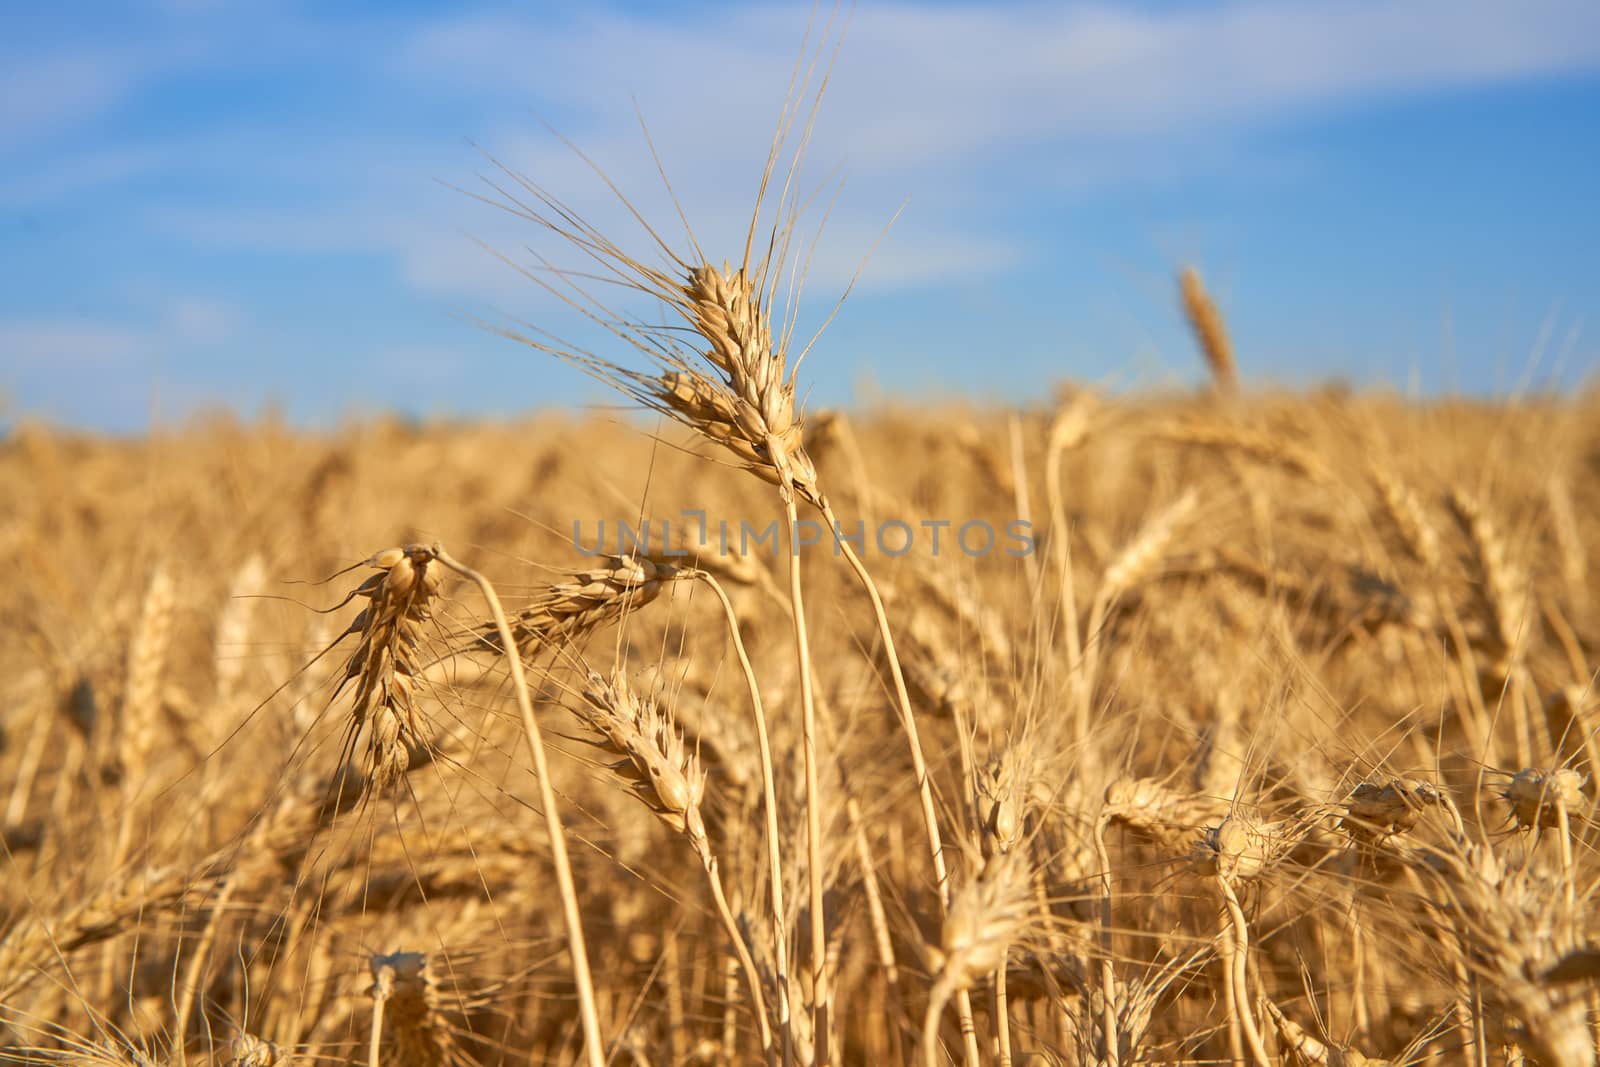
<point x="1067" y="431"/>
<point x="919" y="764"/>
<point x="780" y="936"/>
<point x="594" y="1047"/>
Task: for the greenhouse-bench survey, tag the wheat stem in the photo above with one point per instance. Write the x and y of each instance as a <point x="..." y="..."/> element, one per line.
<point x="919" y="765"/>
<point x="1066" y="594"/>
<point x="1002" y="1016"/>
<point x="814" y="872"/>
<point x="593" y="1045"/>
<point x="780" y="935"/>
<point x="1108" y="975"/>
<point x="1241" y="995"/>
<point x="908" y="721"/>
<point x="191" y="977"/>
<point x="375" y="1039"/>
<point x="758" y="1000"/>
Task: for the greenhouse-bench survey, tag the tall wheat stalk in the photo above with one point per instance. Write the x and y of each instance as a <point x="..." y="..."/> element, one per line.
<point x="572" y="916"/>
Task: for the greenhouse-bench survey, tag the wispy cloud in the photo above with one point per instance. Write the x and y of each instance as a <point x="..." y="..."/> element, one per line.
<point x="195" y="320"/>
<point x="82" y="343"/>
<point x="948" y="105"/>
<point x="71" y="344"/>
<point x="941" y="104"/>
<point x="51" y="92"/>
<point x="925" y="82"/>
<point x="69" y="175"/>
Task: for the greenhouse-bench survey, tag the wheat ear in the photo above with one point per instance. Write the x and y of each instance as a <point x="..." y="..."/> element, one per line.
<point x="670" y="781"/>
<point x="567" y="610"/>
<point x="1125" y="571"/>
<point x="1502" y="584"/>
<point x="384" y="665"/>
<point x="1210" y="331"/>
<point x="985" y="919"/>
<point x="752" y="412"/>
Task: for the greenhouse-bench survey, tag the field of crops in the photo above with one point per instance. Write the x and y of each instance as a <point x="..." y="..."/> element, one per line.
<point x="1277" y="743"/>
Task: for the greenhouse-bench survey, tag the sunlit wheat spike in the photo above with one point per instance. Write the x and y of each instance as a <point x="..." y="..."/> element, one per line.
<point x="1502" y="584"/>
<point x="385" y="663"/>
<point x="1515" y="926"/>
<point x="567" y="610"/>
<point x="987" y="915"/>
<point x="1210" y="331"/>
<point x="735" y="385"/>
<point x="147" y="656"/>
<point x="656" y="763"/>
<point x="1154" y="810"/>
<point x="671" y="781"/>
<point x="1144" y="552"/>
<point x="1242" y="846"/>
<point x="1003" y="786"/>
<point x="230" y="645"/>
<point x="1539" y="798"/>
<point x="1406" y="513"/>
<point x="247" y="1050"/>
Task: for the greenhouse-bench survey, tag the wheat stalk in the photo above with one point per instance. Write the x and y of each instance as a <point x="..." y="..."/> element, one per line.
<point x="571" y="914"/>
<point x="780" y="937"/>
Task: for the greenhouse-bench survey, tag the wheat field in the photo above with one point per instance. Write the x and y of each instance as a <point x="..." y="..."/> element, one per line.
<point x="1223" y="725"/>
<point x="1320" y="666"/>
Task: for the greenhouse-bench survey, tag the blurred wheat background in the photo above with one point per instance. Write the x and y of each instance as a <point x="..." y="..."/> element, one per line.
<point x="1344" y="654"/>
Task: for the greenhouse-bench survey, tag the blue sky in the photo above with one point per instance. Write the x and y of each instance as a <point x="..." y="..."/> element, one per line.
<point x="248" y="203"/>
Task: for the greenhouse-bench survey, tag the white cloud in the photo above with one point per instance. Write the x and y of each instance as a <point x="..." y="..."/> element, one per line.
<point x="65" y="177"/>
<point x="70" y="344"/>
<point x="44" y="94"/>
<point x="960" y="108"/>
<point x="277" y="229"/>
<point x="85" y="344"/>
<point x="198" y="321"/>
<point x="920" y="83"/>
